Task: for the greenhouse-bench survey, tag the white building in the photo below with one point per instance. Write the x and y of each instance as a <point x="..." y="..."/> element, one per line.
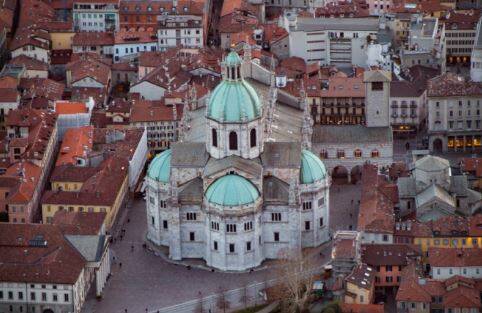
<point x="72" y="114"/>
<point x="330" y="41"/>
<point x="448" y="262"/>
<point x="408" y="107"/>
<point x="374" y="139"/>
<point x="180" y="30"/>
<point x="225" y="193"/>
<point x="39" y="283"/>
<point x="128" y="44"/>
<point x="476" y="56"/>
<point x="432" y="191"/>
<point x="93" y="16"/>
<point x="426" y="44"/>
<point x="454" y="120"/>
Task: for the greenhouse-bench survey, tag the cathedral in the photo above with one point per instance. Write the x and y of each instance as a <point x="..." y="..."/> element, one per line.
<point x="241" y="185"/>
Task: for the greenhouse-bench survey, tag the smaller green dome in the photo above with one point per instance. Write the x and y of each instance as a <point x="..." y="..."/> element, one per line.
<point x="160" y="167"/>
<point x="232" y="59"/>
<point x="312" y="169"/>
<point x="232" y="190"/>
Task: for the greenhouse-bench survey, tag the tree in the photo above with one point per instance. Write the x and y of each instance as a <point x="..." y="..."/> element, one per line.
<point x="296" y="272"/>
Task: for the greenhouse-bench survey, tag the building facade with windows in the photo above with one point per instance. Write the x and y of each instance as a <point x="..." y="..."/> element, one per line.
<point x="96" y="16"/>
<point x="454" y="120"/>
<point x="180" y="30"/>
<point x="330" y="41"/>
<point x="354" y="108"/>
<point x="233" y="198"/>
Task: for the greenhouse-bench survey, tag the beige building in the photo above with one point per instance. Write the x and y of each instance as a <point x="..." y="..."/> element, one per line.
<point x="360" y="285"/>
<point x="104" y="191"/>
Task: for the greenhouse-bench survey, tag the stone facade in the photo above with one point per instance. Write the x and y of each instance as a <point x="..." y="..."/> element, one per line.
<point x="290" y="211"/>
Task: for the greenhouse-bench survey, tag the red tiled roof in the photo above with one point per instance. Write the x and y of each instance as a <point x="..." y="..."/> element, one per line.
<point x="41" y="88"/>
<point x="79" y="223"/>
<point x="101" y="189"/>
<point x="344" y="249"/>
<point x="362" y="275"/>
<point x="361" y="308"/>
<point x="472" y="165"/>
<point x="376" y="209"/>
<point x="77" y="143"/>
<point x="146" y="111"/>
<point x="68" y="107"/>
<point x="452" y="85"/>
<point x="9" y="95"/>
<point x="20" y="261"/>
<point x="462" y="297"/>
<point x="28" y="175"/>
<point x="414" y="289"/>
<point x="71" y="173"/>
<point x="132" y="36"/>
<point x="40" y="125"/>
<point x="89" y="66"/>
<point x="93" y="39"/>
<point x="454" y="257"/>
<point x="461" y="20"/>
<point x="389" y="254"/>
<point x="187" y="7"/>
<point x="29" y="63"/>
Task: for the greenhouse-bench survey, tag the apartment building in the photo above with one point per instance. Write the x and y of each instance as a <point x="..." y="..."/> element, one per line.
<point x="96" y="16"/>
<point x="454" y="120"/>
<point x="460" y="32"/>
<point x="331" y="41"/>
<point x="180" y="30"/>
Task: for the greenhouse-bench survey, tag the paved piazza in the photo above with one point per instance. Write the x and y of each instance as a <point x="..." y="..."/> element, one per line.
<point x="147" y="281"/>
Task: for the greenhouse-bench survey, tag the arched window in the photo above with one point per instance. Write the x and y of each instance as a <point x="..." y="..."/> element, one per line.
<point x="252" y="137"/>
<point x="239" y="72"/>
<point x="232" y="73"/>
<point x="375" y="154"/>
<point x="233" y="141"/>
<point x="357" y="153"/>
<point x="214" y="137"/>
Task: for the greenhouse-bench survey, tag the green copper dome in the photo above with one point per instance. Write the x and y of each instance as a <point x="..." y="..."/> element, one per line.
<point x="234" y="99"/>
<point x="232" y="190"/>
<point x="232" y="59"/>
<point x="312" y="169"/>
<point x="160" y="167"/>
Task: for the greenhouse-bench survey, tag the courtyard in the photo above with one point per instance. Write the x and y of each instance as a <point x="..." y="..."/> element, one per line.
<point x="141" y="280"/>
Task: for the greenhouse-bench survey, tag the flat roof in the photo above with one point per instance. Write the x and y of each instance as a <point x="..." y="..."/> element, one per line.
<point x="349" y="24"/>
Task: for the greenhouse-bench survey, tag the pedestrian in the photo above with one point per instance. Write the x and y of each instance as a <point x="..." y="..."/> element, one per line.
<point x="125" y="310"/>
<point x="132" y="248"/>
<point x="351" y="201"/>
<point x="120" y="265"/>
<point x="121" y="237"/>
<point x="128" y="220"/>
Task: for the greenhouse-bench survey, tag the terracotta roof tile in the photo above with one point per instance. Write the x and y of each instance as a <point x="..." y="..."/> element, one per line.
<point x="389" y="254"/>
<point x="77" y="143"/>
<point x="93" y="39"/>
<point x="454" y="257"/>
<point x="79" y="223"/>
<point x="21" y="260"/>
<point x="29" y="63"/>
